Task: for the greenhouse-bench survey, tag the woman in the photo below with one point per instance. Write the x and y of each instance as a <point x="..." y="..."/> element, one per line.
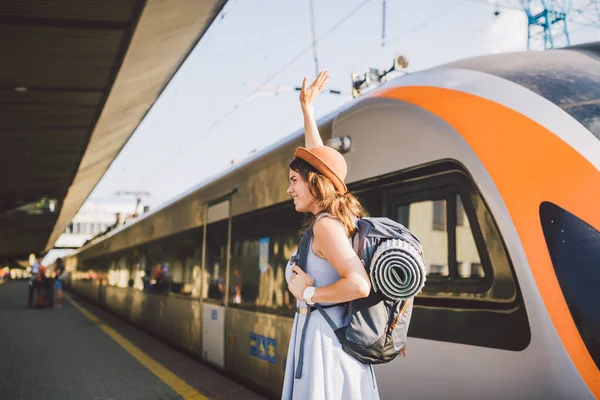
<point x="320" y="369"/>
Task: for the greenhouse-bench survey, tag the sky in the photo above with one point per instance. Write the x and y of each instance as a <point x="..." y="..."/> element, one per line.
<point x="234" y="95"/>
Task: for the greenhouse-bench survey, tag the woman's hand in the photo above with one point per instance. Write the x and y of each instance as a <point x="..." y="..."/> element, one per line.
<point x="310" y="93"/>
<point x="299" y="281"/>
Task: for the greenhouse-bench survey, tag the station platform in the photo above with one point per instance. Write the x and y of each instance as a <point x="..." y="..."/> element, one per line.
<point x="82" y="352"/>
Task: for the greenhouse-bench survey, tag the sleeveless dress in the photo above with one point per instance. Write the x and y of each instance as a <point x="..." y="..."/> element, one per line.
<point x="329" y="372"/>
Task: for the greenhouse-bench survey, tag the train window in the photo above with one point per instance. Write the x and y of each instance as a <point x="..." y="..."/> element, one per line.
<point x="112" y="273"/>
<point x="439" y="215"/>
<point x="118" y="272"/>
<point x="196" y="273"/>
<point x="216" y="262"/>
<point x="466" y="249"/>
<point x="158" y="269"/>
<point x="139" y="272"/>
<point x="574" y="248"/>
<point x="427" y="220"/>
<point x="262" y="243"/>
<point x="177" y="280"/>
<point x="184" y="259"/>
<point x="471" y="294"/>
<point x="474" y="270"/>
<point x="448" y="241"/>
<point x="122" y="272"/>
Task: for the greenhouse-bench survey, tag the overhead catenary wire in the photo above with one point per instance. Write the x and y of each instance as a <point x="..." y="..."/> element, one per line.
<point x="498" y="4"/>
<point x="314" y="34"/>
<point x="257" y="92"/>
<point x="187" y="146"/>
<point x="408" y="32"/>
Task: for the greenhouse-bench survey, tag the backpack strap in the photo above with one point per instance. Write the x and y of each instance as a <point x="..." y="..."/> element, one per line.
<point x="302" y="252"/>
<point x="300" y="363"/>
<point x="358" y="242"/>
<point x="301" y="351"/>
<point x="300" y="260"/>
<point x="397" y="319"/>
<point x="340" y="334"/>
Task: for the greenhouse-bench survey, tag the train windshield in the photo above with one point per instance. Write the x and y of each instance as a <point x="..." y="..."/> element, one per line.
<point x="574" y="248"/>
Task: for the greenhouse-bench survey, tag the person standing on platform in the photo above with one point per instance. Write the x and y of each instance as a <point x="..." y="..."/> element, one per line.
<point x="317" y="367"/>
<point x="33" y="283"/>
<point x="59" y="270"/>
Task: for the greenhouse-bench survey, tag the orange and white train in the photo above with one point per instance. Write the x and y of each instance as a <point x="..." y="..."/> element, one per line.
<point x="494" y="162"/>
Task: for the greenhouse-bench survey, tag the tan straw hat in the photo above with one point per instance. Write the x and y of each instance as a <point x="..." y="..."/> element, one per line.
<point x="327" y="161"/>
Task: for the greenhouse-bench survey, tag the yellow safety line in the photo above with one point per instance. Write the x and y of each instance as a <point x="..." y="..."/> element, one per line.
<point x="175" y="383"/>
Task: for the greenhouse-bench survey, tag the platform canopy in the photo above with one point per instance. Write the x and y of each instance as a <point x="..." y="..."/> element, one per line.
<point x="76" y="79"/>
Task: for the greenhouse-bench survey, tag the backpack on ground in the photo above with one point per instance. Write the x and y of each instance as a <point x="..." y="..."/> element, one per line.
<point x="378" y="325"/>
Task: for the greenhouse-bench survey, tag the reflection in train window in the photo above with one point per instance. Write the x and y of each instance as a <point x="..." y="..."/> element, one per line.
<point x="119" y="272"/>
<point x="184" y="257"/>
<point x="112" y="273"/>
<point x="177" y="269"/>
<point x="475" y="271"/>
<point x="448" y="241"/>
<point x="417" y="218"/>
<point x="466" y="249"/>
<point x="439" y="215"/>
<point x="216" y="262"/>
<point x="158" y="271"/>
<point x="437" y="270"/>
<point x="262" y="244"/>
<point x="139" y="272"/>
<point x="196" y="273"/>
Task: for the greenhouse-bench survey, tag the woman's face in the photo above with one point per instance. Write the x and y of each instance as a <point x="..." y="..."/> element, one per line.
<point x="298" y="189"/>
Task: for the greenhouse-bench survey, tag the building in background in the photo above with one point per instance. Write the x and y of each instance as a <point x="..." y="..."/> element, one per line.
<point x="94" y="218"/>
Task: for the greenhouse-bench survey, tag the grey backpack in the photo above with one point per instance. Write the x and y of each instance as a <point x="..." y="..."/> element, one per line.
<point x="377" y="326"/>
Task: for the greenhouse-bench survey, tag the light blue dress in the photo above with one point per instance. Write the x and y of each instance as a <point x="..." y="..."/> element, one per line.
<point x="329" y="372"/>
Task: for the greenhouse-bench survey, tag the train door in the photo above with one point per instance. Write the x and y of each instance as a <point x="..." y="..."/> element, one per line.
<point x="217" y="238"/>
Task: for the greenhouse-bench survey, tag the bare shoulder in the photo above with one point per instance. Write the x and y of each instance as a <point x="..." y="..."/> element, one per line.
<point x="331" y="243"/>
<point x="329" y="233"/>
<point x="328" y="227"/>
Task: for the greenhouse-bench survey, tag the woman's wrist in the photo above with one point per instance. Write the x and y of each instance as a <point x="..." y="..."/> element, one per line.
<point x="309" y="291"/>
<point x="308" y="109"/>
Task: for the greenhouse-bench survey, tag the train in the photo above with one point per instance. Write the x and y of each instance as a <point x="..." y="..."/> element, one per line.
<point x="492" y="161"/>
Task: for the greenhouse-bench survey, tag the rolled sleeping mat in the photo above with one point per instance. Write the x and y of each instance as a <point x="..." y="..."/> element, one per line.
<point x="397" y="270"/>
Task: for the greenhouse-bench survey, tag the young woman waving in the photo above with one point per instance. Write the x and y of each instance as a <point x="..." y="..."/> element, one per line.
<point x="317" y="366"/>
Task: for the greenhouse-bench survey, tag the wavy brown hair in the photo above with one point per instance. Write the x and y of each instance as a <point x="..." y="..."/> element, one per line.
<point x="344" y="207"/>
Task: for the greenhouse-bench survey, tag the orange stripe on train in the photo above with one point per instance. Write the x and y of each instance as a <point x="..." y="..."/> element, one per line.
<point x="529" y="164"/>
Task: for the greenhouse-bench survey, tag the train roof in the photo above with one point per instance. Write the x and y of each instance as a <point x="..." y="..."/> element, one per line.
<point x="568" y="77"/>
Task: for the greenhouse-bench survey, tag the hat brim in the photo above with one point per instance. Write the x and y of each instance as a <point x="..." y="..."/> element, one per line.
<point x="322" y="167"/>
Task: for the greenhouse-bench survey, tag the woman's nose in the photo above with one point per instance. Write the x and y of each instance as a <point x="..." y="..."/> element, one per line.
<point x="289" y="190"/>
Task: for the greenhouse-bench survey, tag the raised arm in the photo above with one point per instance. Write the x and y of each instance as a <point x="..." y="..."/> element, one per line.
<point x="308" y="94"/>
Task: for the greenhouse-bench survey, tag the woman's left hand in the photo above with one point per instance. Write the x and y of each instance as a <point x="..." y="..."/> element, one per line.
<point x="299" y="281"/>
